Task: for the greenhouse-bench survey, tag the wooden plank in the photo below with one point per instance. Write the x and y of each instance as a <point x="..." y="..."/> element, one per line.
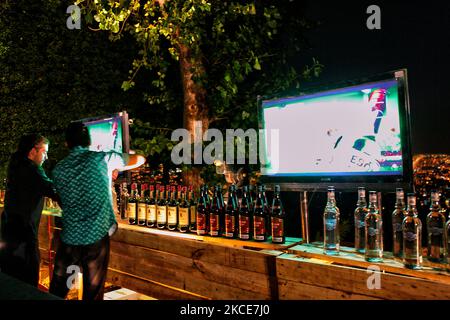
<point x="148" y="287"/>
<point x="261" y="260"/>
<point x="192" y="275"/>
<point x="354" y="280"/>
<point x="351" y="259"/>
<point x="292" y="290"/>
<point x="237" y="243"/>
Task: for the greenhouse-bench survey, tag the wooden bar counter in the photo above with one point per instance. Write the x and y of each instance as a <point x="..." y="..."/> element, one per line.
<point x="172" y="265"/>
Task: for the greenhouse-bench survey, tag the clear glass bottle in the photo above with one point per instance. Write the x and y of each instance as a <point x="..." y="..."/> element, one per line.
<point x="360" y="216"/>
<point x="331" y="225"/>
<point x="412" y="236"/>
<point x="374" y="231"/>
<point x="398" y="215"/>
<point x="436" y="227"/>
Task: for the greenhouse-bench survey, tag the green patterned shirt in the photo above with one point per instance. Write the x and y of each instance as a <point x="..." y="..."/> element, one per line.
<point x="83" y="181"/>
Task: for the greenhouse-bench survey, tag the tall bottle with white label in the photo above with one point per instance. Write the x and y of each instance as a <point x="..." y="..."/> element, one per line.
<point x="161" y="210"/>
<point x="436" y="231"/>
<point x="172" y="210"/>
<point x="183" y="211"/>
<point x="142" y="207"/>
<point x="331" y="239"/>
<point x="397" y="220"/>
<point x="412" y="236"/>
<point x="374" y="231"/>
<point x="359" y="218"/>
<point x="132" y="205"/>
<point x="151" y="207"/>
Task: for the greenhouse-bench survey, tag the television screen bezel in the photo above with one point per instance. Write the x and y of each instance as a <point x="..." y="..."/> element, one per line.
<point x="123" y="115"/>
<point x="404" y="180"/>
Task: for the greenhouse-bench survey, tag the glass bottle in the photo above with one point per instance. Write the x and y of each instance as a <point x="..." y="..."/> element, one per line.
<point x="231" y="214"/>
<point x="192" y="211"/>
<point x="202" y="212"/>
<point x="132" y="207"/>
<point x="151" y="208"/>
<point x="172" y="210"/>
<point x="214" y="214"/>
<point x="398" y="215"/>
<point x="244" y="216"/>
<point x="161" y="210"/>
<point x="374" y="231"/>
<point x="277" y="218"/>
<point x="331" y="225"/>
<point x="183" y="211"/>
<point x="360" y="216"/>
<point x="259" y="218"/>
<point x="435" y="227"/>
<point x="412" y="236"/>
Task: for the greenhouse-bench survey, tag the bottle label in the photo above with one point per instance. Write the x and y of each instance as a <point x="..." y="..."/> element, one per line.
<point x="142" y="211"/>
<point x="161" y="215"/>
<point x="277" y="229"/>
<point x="397" y="227"/>
<point x="362" y="193"/>
<point x="372" y="231"/>
<point x="172" y="216"/>
<point x="410" y="236"/>
<point x="151" y="212"/>
<point x="260" y="227"/>
<point x="131" y="210"/>
<point x="412" y="201"/>
<point x="193" y="215"/>
<point x="330" y="224"/>
<point x="184" y="216"/>
<point x="373" y="197"/>
<point x="214" y="224"/>
<point x="435" y="229"/>
<point x="244" y="227"/>
<point x="331" y="195"/>
<point x="201" y="223"/>
<point x="400" y="195"/>
<point x="229" y="225"/>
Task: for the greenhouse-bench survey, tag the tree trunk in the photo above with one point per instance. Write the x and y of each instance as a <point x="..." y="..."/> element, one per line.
<point x="195" y="108"/>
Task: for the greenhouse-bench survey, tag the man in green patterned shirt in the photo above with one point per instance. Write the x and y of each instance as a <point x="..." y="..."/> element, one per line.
<point x="83" y="182"/>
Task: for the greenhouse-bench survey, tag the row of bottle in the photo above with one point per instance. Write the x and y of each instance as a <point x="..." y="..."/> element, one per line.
<point x="175" y="208"/>
<point x="407" y="229"/>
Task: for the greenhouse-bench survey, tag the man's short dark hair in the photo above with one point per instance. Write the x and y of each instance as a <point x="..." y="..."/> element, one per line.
<point x="77" y="135"/>
<point x="28" y="142"/>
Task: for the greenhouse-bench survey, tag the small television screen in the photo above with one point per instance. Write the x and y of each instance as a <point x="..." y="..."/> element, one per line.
<point x="108" y="133"/>
<point x="354" y="133"/>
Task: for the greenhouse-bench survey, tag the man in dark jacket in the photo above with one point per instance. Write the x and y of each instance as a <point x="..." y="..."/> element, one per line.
<point x="26" y="186"/>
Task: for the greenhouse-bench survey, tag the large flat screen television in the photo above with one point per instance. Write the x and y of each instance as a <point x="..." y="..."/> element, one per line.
<point x="358" y="133"/>
<point x="108" y="133"/>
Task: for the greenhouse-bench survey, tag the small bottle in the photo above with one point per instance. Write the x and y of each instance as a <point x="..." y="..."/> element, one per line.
<point x="192" y="211"/>
<point x="259" y="218"/>
<point x="435" y="228"/>
<point x="202" y="212"/>
<point x="360" y="223"/>
<point x="151" y="208"/>
<point x="123" y="207"/>
<point x="183" y="212"/>
<point x="331" y="240"/>
<point x="412" y="236"/>
<point x="132" y="207"/>
<point x="161" y="210"/>
<point x="172" y="211"/>
<point x="374" y="231"/>
<point x="244" y="216"/>
<point x="231" y="214"/>
<point x="277" y="218"/>
<point x="142" y="206"/>
<point x="397" y="220"/>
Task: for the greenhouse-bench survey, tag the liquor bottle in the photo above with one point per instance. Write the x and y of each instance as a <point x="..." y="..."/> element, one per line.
<point x="222" y="210"/>
<point x="374" y="231"/>
<point x="447" y="228"/>
<point x="179" y="194"/>
<point x="202" y="212"/>
<point x="161" y="210"/>
<point x="183" y="212"/>
<point x="142" y="206"/>
<point x="123" y="207"/>
<point x="435" y="228"/>
<point x="132" y="208"/>
<point x="231" y="213"/>
<point x="172" y="211"/>
<point x="277" y="218"/>
<point x="192" y="211"/>
<point x="412" y="236"/>
<point x="397" y="220"/>
<point x="360" y="216"/>
<point x="259" y="217"/>
<point x="331" y="240"/>
<point x="151" y="208"/>
<point x="266" y="208"/>
<point x="251" y="198"/>
<point x="214" y="214"/>
<point x="244" y="216"/>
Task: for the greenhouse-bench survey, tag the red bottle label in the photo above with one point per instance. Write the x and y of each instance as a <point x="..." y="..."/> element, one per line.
<point x="277" y="230"/>
<point x="214" y="224"/>
<point x="201" y="224"/>
<point x="244" y="227"/>
<point x="260" y="228"/>
<point x="229" y="225"/>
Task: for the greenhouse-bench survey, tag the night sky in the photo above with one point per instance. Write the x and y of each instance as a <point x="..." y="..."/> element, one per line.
<point x="412" y="35"/>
